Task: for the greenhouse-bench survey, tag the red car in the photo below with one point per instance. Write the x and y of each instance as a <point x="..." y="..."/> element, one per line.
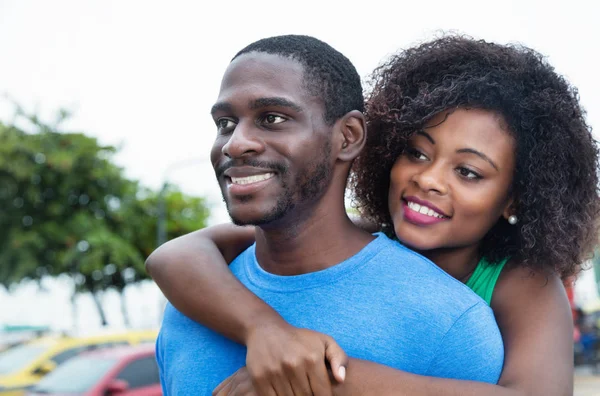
<point x="122" y="371"/>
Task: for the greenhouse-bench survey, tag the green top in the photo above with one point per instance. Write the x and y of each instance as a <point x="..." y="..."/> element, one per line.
<point x="484" y="278"/>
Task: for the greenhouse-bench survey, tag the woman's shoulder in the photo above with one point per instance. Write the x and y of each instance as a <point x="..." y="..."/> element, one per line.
<point x="519" y="285"/>
<point x="517" y="275"/>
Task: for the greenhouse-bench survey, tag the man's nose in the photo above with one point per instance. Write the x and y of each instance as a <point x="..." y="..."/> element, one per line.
<point x="243" y="141"/>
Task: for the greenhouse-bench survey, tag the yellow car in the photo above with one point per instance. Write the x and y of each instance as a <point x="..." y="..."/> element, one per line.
<point x="23" y="366"/>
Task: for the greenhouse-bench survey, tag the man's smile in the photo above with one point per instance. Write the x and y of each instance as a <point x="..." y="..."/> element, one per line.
<point x="251" y="179"/>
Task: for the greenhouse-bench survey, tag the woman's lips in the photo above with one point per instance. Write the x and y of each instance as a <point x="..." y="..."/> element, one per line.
<point x="421" y="202"/>
<point x="422" y="215"/>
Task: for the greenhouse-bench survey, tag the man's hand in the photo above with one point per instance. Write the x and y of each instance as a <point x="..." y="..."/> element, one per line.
<point x="283" y="360"/>
<point x="238" y="384"/>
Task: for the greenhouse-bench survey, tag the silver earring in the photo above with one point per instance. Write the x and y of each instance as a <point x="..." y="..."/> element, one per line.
<point x="512" y="219"/>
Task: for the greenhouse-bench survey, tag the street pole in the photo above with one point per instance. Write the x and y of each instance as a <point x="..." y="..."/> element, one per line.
<point x="161" y="225"/>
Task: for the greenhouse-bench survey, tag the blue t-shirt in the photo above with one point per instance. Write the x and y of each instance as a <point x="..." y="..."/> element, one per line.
<point x="386" y="304"/>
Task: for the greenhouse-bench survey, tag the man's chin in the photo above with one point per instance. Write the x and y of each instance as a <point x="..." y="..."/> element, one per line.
<point x="245" y="221"/>
<point x="241" y="221"/>
<point x="245" y="217"/>
<point x="255" y="213"/>
<point x="255" y="219"/>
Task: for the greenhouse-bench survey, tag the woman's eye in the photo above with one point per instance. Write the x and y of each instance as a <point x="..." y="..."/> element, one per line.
<point x="225" y="123"/>
<point x="273" y="119"/>
<point x="468" y="174"/>
<point x="416" y="154"/>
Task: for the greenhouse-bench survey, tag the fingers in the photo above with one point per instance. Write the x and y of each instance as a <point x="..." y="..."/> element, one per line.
<point x="262" y="385"/>
<point x="318" y="378"/>
<point x="282" y="387"/>
<point x="244" y="388"/>
<point x="296" y="365"/>
<point x="337" y="358"/>
<point x="300" y="383"/>
<point x="238" y="384"/>
<point x="297" y="375"/>
<point x="223" y="388"/>
<point x="294" y="379"/>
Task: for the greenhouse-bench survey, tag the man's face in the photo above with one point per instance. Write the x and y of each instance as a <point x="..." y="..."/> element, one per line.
<point x="272" y="152"/>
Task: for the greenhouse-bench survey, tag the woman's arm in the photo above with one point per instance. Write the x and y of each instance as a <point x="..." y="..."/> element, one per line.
<point x="193" y="274"/>
<point x="533" y="314"/>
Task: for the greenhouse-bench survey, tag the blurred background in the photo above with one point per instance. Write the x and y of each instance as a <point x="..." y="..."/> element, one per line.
<point x="105" y="133"/>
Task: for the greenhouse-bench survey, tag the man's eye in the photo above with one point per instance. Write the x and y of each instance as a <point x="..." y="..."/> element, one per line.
<point x="273" y="119"/>
<point x="224" y="123"/>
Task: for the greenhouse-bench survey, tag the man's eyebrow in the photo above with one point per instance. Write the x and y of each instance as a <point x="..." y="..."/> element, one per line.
<point x="426" y="136"/>
<point x="221" y="106"/>
<point x="275" y="101"/>
<point x="479" y="154"/>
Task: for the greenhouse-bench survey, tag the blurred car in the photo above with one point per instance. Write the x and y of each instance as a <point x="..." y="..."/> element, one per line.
<point x="123" y="371"/>
<point x="25" y="365"/>
<point x="13" y="335"/>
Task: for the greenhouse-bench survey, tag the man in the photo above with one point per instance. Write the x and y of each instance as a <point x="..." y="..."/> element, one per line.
<point x="289" y="124"/>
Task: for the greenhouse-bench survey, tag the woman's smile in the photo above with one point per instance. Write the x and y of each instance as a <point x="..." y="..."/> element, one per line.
<point x="450" y="186"/>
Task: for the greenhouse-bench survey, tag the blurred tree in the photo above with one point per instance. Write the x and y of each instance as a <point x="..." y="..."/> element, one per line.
<point x="67" y="208"/>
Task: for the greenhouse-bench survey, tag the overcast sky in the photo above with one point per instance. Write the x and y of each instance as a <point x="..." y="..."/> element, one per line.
<point x="143" y="75"/>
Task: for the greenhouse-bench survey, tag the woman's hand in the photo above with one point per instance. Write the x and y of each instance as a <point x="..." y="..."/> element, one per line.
<point x="238" y="384"/>
<point x="284" y="360"/>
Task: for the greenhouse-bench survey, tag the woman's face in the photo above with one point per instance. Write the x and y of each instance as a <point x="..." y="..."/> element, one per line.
<point x="452" y="183"/>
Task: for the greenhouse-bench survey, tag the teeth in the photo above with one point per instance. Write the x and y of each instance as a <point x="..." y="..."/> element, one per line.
<point x="424" y="210"/>
<point x="252" y="179"/>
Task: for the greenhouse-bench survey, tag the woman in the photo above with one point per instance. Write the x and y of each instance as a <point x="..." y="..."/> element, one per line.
<point x="478" y="158"/>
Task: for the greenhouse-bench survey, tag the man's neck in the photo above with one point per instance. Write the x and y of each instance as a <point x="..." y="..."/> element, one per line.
<point x="313" y="243"/>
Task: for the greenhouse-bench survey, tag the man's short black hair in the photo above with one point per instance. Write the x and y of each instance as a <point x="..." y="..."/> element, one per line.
<point x="327" y="73"/>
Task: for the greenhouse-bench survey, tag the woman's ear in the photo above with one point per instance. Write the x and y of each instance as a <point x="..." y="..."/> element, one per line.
<point x="351" y="136"/>
<point x="510" y="210"/>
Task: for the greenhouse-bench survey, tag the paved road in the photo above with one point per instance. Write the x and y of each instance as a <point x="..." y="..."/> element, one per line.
<point x="586" y="383"/>
<point x="587" y="386"/>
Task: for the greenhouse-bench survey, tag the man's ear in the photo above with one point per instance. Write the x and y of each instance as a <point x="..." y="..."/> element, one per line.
<point x="351" y="135"/>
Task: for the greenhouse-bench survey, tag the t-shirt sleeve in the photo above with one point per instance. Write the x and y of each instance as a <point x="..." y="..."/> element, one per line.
<point x="472" y="349"/>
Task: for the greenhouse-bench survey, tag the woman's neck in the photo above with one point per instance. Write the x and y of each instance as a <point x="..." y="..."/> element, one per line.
<point x="460" y="263"/>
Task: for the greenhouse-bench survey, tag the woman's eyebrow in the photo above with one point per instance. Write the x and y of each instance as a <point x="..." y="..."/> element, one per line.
<point x="426" y="136"/>
<point x="479" y="154"/>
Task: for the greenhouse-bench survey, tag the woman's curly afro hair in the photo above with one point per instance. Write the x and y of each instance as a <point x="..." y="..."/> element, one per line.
<point x="556" y="177"/>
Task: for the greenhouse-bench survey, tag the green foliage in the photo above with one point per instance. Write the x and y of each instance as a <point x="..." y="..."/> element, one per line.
<point x="66" y="208"/>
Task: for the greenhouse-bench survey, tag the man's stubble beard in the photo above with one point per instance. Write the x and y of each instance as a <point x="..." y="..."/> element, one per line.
<point x="310" y="185"/>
